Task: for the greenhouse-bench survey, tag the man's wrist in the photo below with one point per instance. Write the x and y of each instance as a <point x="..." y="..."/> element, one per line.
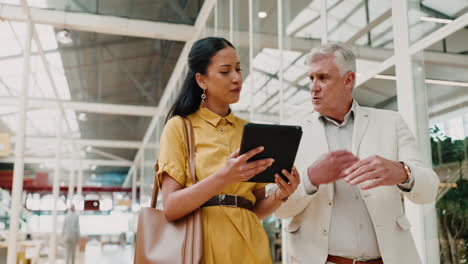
<point x="407" y="173"/>
<point x="309" y="175"/>
<point x="407" y="185"/>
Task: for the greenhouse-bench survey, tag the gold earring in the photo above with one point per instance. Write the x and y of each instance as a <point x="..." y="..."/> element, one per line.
<point x="203" y="96"/>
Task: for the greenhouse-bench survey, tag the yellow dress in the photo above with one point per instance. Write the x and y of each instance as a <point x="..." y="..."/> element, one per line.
<point x="231" y="235"/>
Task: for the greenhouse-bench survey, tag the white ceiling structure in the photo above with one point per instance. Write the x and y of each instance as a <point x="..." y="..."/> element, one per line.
<point x="113" y="78"/>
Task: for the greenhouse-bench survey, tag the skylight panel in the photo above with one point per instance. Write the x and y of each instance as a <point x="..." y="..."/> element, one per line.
<point x="8" y="110"/>
<point x="44" y="120"/>
<point x="9" y="67"/>
<point x="9" y="43"/>
<point x="13" y="83"/>
<point x="306" y="16"/>
<point x="10" y="2"/>
<point x="39" y="3"/>
<point x="448" y="7"/>
<point x="266" y="63"/>
<point x="47" y="36"/>
<point x="294" y="72"/>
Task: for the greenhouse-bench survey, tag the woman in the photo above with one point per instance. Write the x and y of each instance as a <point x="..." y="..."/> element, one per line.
<point x="231" y="234"/>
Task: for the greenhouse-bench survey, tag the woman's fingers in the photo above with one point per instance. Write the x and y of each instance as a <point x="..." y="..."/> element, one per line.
<point x="246" y="156"/>
<point x="296" y="175"/>
<point x="280" y="182"/>
<point x="258" y="163"/>
<point x="235" y="154"/>
<point x="247" y="174"/>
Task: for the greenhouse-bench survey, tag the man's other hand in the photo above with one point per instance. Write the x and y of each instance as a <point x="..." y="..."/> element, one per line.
<point x="376" y="171"/>
<point x="330" y="167"/>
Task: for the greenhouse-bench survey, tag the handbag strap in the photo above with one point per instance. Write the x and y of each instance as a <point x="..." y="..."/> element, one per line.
<point x="190" y="148"/>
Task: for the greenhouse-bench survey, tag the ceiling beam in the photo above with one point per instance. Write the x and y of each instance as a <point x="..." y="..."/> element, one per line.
<point x="62" y="49"/>
<point x="102" y="143"/>
<point x="419" y="46"/>
<point x="361" y="52"/>
<point x="370" y="26"/>
<point x="100" y="23"/>
<point x="99" y="108"/>
<point x="84" y="162"/>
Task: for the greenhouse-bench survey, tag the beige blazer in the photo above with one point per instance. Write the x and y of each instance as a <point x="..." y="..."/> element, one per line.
<point x="376" y="132"/>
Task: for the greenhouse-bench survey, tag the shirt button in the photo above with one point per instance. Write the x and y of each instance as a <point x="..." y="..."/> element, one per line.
<point x="324" y="232"/>
<point x="221" y="130"/>
<point x="330" y="203"/>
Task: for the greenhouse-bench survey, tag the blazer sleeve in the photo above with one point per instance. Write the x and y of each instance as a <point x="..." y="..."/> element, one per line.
<point x="426" y="181"/>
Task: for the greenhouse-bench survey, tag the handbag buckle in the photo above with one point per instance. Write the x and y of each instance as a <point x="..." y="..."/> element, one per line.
<point x="222" y="201"/>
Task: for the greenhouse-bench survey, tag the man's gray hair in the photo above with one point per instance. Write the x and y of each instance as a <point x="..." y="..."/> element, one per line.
<point x="344" y="57"/>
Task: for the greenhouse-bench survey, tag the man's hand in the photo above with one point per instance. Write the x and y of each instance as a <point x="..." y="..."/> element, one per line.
<point x="376" y="171"/>
<point x="330" y="167"/>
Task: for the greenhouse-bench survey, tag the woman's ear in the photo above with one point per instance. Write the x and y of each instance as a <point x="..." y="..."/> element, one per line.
<point x="200" y="78"/>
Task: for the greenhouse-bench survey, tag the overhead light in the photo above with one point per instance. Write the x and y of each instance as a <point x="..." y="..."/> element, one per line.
<point x="64" y="37"/>
<point x="41" y="166"/>
<point x="436" y="20"/>
<point x="93" y="176"/>
<point x="89" y="148"/>
<point x="385" y="77"/>
<point x="93" y="167"/>
<point x="83" y="117"/>
<point x="450" y="83"/>
<point x="262" y="14"/>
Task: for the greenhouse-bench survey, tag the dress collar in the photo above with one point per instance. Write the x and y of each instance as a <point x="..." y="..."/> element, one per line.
<point x="213" y="118"/>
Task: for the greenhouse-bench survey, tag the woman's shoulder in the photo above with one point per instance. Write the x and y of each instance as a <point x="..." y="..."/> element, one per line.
<point x="173" y="126"/>
<point x="174" y="122"/>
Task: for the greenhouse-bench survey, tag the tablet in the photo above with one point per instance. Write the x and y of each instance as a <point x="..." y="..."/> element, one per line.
<point x="280" y="143"/>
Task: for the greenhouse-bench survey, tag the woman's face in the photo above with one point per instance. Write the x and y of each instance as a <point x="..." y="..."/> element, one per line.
<point x="223" y="79"/>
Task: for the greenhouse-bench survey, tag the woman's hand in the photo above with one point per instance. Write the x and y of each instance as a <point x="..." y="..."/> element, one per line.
<point x="237" y="169"/>
<point x="286" y="189"/>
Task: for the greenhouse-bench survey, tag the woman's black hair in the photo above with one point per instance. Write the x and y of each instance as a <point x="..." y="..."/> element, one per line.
<point x="199" y="58"/>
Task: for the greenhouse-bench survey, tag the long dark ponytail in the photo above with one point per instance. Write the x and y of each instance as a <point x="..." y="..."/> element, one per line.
<point x="199" y="58"/>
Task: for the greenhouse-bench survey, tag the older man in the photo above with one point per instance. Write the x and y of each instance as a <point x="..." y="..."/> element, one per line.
<point x="356" y="165"/>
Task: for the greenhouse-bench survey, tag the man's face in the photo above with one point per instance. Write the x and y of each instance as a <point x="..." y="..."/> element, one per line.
<point x="331" y="93"/>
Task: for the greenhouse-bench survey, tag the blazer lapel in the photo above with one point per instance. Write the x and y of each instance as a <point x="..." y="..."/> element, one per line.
<point x="321" y="145"/>
<point x="361" y="121"/>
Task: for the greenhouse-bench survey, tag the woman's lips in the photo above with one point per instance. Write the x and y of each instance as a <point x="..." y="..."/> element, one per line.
<point x="237" y="90"/>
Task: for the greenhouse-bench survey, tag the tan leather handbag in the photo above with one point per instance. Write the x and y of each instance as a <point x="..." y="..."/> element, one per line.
<point x="159" y="241"/>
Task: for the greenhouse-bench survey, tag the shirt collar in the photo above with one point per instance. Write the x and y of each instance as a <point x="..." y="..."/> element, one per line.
<point x="349" y="114"/>
<point x="213" y="118"/>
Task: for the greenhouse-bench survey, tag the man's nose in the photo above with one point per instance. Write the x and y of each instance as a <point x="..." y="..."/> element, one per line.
<point x="314" y="87"/>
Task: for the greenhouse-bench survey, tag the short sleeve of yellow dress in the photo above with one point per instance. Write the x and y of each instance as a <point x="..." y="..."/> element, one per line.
<point x="232" y="235"/>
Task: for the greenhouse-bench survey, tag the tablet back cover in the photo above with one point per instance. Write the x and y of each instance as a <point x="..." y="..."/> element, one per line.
<point x="281" y="143"/>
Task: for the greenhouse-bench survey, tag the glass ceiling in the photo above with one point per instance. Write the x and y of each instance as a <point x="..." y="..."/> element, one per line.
<point x="175" y="11"/>
<point x="125" y="70"/>
<point x="39" y="121"/>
